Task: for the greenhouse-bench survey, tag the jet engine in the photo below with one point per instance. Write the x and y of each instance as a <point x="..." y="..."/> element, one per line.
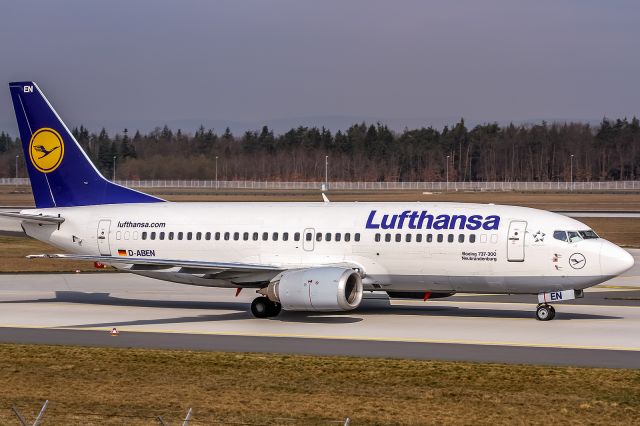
<point x="316" y="289"/>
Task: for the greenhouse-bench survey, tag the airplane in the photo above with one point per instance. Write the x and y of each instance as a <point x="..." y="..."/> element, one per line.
<point x="313" y="257"/>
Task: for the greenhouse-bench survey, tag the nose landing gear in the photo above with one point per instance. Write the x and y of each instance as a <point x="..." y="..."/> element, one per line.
<point x="545" y="312"/>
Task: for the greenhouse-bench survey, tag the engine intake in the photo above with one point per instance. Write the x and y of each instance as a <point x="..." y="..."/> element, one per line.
<point x="316" y="289"/>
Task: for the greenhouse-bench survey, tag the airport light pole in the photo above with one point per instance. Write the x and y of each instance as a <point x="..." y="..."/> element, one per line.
<point x="114" y="167"/>
<point x="17" y="156"/>
<point x="216" y="172"/>
<point x="571" y="172"/>
<point x="326" y="172"/>
<point x="447" y="167"/>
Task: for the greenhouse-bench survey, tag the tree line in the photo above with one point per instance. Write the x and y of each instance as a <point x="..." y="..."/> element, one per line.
<point x="366" y="152"/>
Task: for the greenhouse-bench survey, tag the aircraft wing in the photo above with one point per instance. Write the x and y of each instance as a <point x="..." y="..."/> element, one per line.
<point x="164" y="263"/>
<point x="34" y="218"/>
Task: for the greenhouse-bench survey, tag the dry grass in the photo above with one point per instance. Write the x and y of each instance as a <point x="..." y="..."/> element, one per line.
<point x="14" y="249"/>
<point x="269" y="389"/>
<point x="620" y="201"/>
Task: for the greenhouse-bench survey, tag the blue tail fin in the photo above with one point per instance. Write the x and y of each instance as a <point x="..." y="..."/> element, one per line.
<point x="61" y="173"/>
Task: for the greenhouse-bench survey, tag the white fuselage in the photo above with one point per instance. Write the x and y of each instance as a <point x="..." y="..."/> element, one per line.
<point x="449" y="247"/>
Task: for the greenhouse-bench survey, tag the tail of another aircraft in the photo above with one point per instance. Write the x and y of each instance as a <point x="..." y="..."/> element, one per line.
<point x="61" y="173"/>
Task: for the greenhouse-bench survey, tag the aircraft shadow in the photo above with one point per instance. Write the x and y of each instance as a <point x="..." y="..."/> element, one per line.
<point x="375" y="306"/>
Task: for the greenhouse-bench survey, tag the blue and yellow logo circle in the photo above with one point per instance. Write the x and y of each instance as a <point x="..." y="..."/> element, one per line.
<point x="46" y="150"/>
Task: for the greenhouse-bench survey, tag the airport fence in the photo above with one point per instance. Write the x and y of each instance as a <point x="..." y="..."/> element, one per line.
<point x="189" y="419"/>
<point x="368" y="186"/>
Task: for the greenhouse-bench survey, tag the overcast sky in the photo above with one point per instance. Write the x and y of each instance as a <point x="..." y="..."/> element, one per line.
<point x="144" y="63"/>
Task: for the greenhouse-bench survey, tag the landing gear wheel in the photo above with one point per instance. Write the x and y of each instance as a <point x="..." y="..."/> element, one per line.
<point x="545" y="313"/>
<point x="274" y="309"/>
<point x="553" y="312"/>
<point x="260" y="307"/>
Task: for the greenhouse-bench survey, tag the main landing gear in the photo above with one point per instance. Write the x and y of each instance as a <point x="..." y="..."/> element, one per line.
<point x="262" y="307"/>
<point x="545" y="312"/>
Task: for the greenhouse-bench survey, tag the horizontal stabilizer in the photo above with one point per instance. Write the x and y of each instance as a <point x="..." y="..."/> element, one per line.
<point x="34" y="218"/>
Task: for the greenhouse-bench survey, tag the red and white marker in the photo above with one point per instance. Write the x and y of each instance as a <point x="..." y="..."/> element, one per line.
<point x="114" y="331"/>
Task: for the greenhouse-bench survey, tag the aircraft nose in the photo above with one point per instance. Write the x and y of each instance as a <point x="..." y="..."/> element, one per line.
<point x="614" y="260"/>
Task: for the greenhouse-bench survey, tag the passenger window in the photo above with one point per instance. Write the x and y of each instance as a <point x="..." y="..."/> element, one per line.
<point x="236" y="236"/>
<point x="265" y="236"/>
<point x="418" y="238"/>
<point x="387" y="237"/>
<point x="461" y="238"/>
<point x="319" y="236"/>
<point x="189" y="235"/>
<point x="347" y="237"/>
<point x="144" y="235"/>
<point x="429" y="238"/>
<point x="450" y="238"/>
<point x="494" y="238"/>
<point x="255" y="236"/>
<point x="377" y="238"/>
<point x="217" y="236"/>
<point x="275" y="236"/>
<point x="153" y="235"/>
<point x="407" y="238"/>
<point x="171" y="235"/>
<point x="440" y="238"/>
<point x="198" y="236"/>
<point x="296" y="236"/>
<point x="227" y="235"/>
<point x="483" y="238"/>
<point x="560" y="235"/>
<point x="285" y="236"/>
<point x="180" y="235"/>
<point x="118" y="235"/>
<point x="162" y="235"/>
<point x="472" y="238"/>
<point x="327" y="236"/>
<point x="356" y="237"/>
<point x="207" y="236"/>
<point x="135" y="235"/>
<point x="245" y="236"/>
<point x="126" y="235"/>
<point x="308" y="236"/>
<point x="338" y="237"/>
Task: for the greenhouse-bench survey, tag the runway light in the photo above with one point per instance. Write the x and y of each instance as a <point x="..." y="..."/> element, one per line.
<point x="114" y="332"/>
<point x="77" y="271"/>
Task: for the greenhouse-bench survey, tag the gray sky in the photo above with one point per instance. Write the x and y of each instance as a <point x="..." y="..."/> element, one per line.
<point x="145" y="63"/>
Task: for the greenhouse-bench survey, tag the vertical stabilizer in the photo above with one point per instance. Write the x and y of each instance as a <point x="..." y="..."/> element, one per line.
<point x="61" y="174"/>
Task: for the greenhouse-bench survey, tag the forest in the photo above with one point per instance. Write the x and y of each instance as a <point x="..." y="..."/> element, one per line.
<point x="365" y="152"/>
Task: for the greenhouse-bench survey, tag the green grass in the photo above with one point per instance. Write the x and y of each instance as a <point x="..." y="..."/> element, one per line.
<point x="126" y="386"/>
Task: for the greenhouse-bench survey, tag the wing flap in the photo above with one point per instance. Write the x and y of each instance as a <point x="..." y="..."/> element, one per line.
<point x="168" y="263"/>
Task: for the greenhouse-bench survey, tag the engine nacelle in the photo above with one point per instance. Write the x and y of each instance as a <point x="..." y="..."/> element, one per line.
<point x="316" y="289"/>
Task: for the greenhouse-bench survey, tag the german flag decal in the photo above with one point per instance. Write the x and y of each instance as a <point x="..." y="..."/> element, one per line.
<point x="122" y="252"/>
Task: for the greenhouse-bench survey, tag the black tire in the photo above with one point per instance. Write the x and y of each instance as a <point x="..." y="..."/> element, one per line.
<point x="553" y="312"/>
<point x="274" y="309"/>
<point x="260" y="307"/>
<point x="543" y="313"/>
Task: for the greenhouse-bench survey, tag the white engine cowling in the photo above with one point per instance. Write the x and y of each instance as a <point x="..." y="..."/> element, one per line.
<point x="316" y="289"/>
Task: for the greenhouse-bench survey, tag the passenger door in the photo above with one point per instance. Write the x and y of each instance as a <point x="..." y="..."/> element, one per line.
<point x="515" y="241"/>
<point x="103" y="237"/>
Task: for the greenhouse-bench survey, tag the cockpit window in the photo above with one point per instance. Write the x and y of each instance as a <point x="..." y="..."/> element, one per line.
<point x="574" y="237"/>
<point x="560" y="235"/>
<point x="588" y="234"/>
